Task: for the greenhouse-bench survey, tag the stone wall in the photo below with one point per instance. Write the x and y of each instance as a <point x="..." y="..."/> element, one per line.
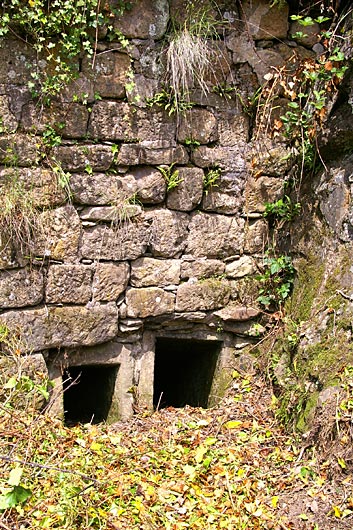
<point x="122" y="260"/>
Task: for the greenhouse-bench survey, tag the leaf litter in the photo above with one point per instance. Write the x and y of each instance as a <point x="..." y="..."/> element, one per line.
<point x="232" y="466"/>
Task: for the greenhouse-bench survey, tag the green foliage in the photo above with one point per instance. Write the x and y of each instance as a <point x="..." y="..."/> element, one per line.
<point x="59" y="31"/>
<point x="224" y="90"/>
<point x="191" y="142"/>
<point x="276" y="281"/>
<point x="282" y="210"/>
<point x="171" y="176"/>
<point x="210" y="178"/>
<point x="170" y="102"/>
<point x="50" y="136"/>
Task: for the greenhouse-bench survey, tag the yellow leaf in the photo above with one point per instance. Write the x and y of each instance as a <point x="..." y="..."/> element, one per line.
<point x="189" y="470"/>
<point x="95" y="446"/>
<point x="200" y="453"/>
<point x="303" y="517"/>
<point x="274" y="501"/>
<point x="336" y="511"/>
<point x="341" y="462"/>
<point x="233" y="424"/>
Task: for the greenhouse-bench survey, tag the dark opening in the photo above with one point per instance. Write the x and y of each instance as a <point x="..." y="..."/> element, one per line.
<point x="88" y="393"/>
<point x="183" y="372"/>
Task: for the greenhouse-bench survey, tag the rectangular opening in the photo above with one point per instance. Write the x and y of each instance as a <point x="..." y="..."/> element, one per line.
<point x="184" y="371"/>
<point x="88" y="393"/>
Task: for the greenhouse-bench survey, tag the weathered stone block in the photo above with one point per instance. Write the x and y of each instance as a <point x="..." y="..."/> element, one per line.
<point x="243" y="266"/>
<point x="146" y="272"/>
<point x="78" y="157"/>
<point x="73" y="115"/>
<point x="168" y="233"/>
<point x="237" y="313"/>
<point x="60" y="234"/>
<point x="53" y="327"/>
<point x="114" y="120"/>
<point x="68" y="284"/>
<point x="148" y="302"/>
<point x="18" y="149"/>
<point x="110" y="74"/>
<point x="215" y="236"/>
<point x="153" y="23"/>
<point x="21" y="287"/>
<point x="101" y="188"/>
<point x="188" y="194"/>
<point x="266" y="22"/>
<point x="202" y="295"/>
<point x="14" y="66"/>
<point x="151" y="186"/>
<point x="260" y="191"/>
<point x="41" y="185"/>
<point x="220" y="202"/>
<point x="127" y="241"/>
<point x="110" y="281"/>
<point x="270" y="160"/>
<point x="233" y="126"/>
<point x="231" y="159"/>
<point x="199" y="125"/>
<point x="201" y="268"/>
<point x="9" y="122"/>
<point x="115" y="214"/>
<point x="153" y="153"/>
<point x="256" y="236"/>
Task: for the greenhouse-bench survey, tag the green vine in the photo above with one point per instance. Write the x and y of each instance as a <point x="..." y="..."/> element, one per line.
<point x="59" y="31"/>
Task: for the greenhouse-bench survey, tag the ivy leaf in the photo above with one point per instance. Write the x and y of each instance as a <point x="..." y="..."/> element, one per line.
<point x="16" y="496"/>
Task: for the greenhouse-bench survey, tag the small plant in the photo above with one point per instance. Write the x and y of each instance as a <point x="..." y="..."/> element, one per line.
<point x="282" y="210"/>
<point x="170" y="102"/>
<point x="191" y="142"/>
<point x="50" y="137"/>
<point x="224" y="90"/>
<point x="210" y="179"/>
<point x="171" y="176"/>
<point x="276" y="281"/>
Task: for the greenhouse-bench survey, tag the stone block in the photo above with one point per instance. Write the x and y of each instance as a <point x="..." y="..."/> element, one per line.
<point x="266" y="22"/>
<point x="256" y="236"/>
<point x="115" y="214"/>
<point x="78" y="157"/>
<point x="260" y="191"/>
<point x="119" y="121"/>
<point x="148" y="302"/>
<point x="237" y="313"/>
<point x="59" y="235"/>
<point x="110" y="281"/>
<point x="230" y="159"/>
<point x="188" y="193"/>
<point x="101" y="188"/>
<point x="309" y="34"/>
<point x="19" y="288"/>
<point x="241" y="267"/>
<point x="152" y="153"/>
<point x="126" y="241"/>
<point x="153" y="23"/>
<point x="73" y="115"/>
<point x="151" y="186"/>
<point x="146" y="272"/>
<point x="223" y="202"/>
<point x="199" y="125"/>
<point x="203" y="295"/>
<point x="201" y="268"/>
<point x="15" y="67"/>
<point x="110" y="74"/>
<point x="215" y="236"/>
<point x="168" y="233"/>
<point x="9" y="122"/>
<point x="68" y="284"/>
<point x="18" y="149"/>
<point x="233" y="126"/>
<point x="57" y="327"/>
<point x="41" y="185"/>
<point x="270" y="159"/>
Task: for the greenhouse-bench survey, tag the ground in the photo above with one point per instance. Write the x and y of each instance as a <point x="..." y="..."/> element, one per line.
<point x="232" y="466"/>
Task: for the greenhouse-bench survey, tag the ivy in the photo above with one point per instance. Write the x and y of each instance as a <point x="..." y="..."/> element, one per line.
<point x="59" y="31"/>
